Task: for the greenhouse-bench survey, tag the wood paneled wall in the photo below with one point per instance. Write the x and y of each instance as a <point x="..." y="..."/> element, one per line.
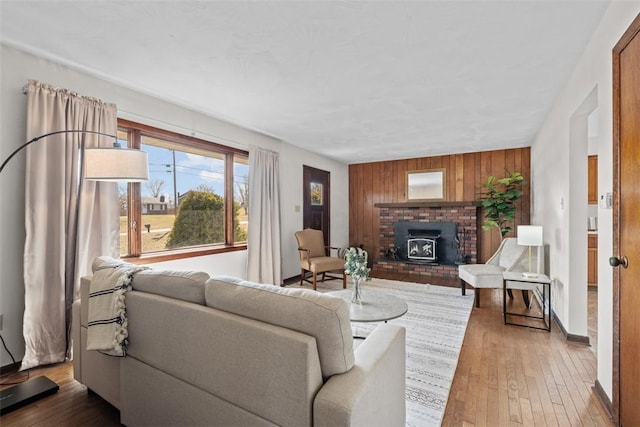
<point x="385" y="182"/>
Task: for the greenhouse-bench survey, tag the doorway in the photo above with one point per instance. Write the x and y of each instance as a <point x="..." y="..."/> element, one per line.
<point x="316" y="196"/>
<point x="626" y="227"/>
<point x="579" y="129"/>
<point x="593" y="143"/>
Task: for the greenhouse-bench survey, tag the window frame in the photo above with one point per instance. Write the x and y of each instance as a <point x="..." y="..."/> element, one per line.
<point x="135" y="131"/>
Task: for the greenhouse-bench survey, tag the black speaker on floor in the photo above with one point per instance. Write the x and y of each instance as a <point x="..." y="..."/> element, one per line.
<point x="25" y="393"/>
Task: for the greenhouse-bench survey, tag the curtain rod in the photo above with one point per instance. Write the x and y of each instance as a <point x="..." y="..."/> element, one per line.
<point x="182" y="129"/>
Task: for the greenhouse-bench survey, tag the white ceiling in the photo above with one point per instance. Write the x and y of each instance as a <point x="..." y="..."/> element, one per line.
<point x="356" y="81"/>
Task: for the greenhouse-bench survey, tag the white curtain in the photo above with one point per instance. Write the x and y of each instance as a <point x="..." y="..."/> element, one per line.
<point x="68" y="221"/>
<point x="263" y="241"/>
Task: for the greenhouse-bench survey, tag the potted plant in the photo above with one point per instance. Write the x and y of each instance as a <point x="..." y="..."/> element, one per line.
<point x="498" y="200"/>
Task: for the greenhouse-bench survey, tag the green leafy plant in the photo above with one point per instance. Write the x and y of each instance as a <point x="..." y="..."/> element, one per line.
<point x="356" y="265"/>
<point x="499" y="197"/>
<point x="200" y="220"/>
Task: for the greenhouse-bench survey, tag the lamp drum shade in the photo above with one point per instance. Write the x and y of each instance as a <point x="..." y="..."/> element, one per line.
<point x="530" y="235"/>
<point x="115" y="164"/>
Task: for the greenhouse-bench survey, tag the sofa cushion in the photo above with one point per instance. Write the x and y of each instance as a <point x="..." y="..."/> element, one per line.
<point x="183" y="285"/>
<point x="106" y="261"/>
<point x="324" y="317"/>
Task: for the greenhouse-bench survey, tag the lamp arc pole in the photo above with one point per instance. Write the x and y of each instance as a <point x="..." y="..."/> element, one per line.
<point x="38" y="138"/>
<point x="107" y="164"/>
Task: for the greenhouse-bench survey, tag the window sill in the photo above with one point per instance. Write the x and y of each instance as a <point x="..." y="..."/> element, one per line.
<point x="181" y="254"/>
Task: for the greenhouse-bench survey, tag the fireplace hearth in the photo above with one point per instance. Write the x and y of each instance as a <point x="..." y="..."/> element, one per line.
<point x="426" y="242"/>
<point x="455" y="243"/>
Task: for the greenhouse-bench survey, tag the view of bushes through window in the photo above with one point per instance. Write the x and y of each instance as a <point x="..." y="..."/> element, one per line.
<point x="183" y="202"/>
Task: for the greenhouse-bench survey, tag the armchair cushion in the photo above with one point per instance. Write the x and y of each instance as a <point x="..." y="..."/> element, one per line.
<point x="313" y="240"/>
<point x="511" y="255"/>
<point x="324" y="263"/>
<point x="481" y="275"/>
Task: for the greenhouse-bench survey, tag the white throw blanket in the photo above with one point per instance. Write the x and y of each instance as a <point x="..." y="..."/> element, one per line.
<point x="107" y="323"/>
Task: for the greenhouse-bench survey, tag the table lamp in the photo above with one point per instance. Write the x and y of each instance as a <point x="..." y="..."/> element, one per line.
<point x="530" y="235"/>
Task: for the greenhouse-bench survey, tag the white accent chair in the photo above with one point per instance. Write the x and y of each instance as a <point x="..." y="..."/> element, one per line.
<point x="509" y="257"/>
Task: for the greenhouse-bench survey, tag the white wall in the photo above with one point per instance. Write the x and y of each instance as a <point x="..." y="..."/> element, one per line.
<point x="558" y="169"/>
<point x="18" y="67"/>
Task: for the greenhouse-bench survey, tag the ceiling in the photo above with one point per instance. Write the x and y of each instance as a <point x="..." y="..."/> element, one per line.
<point x="356" y="81"/>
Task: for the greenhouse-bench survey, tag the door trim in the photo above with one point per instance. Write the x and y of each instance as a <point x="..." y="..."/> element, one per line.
<point x="307" y="173"/>
<point x="624" y="41"/>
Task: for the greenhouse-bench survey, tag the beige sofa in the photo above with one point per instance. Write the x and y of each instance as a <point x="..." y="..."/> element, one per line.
<point x="223" y="351"/>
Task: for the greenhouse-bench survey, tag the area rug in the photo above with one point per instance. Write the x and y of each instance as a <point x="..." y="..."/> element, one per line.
<point x="435" y="324"/>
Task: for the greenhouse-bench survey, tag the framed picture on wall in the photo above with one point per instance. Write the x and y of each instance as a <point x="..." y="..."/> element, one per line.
<point x="426" y="184"/>
<point x="316" y="194"/>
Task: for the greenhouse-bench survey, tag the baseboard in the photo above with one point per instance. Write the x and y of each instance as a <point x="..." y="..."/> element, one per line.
<point x="291" y="280"/>
<point x="603" y="398"/>
<point x="569" y="337"/>
<point x="391" y="276"/>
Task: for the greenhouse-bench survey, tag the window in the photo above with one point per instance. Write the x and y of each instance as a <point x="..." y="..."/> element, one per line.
<point x="195" y="201"/>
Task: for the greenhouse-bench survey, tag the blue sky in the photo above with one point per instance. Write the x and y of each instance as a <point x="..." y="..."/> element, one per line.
<point x="191" y="171"/>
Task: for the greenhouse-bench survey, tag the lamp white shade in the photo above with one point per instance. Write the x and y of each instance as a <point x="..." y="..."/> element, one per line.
<point x="530" y="235"/>
<point x="115" y="164"/>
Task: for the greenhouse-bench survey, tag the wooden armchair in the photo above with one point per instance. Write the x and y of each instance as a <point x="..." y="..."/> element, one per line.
<point x="315" y="258"/>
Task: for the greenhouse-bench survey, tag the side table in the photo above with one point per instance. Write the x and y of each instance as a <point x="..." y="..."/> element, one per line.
<point x="518" y="281"/>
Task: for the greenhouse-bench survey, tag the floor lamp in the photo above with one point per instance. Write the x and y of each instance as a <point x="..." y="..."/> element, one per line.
<point x="112" y="164"/>
<point x="530" y="235"/>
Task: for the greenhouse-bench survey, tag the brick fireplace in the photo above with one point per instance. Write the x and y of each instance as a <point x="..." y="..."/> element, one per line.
<point x="391" y="262"/>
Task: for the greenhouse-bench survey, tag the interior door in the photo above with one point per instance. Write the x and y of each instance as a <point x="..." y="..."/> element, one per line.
<point x="626" y="227"/>
<point x="316" y="194"/>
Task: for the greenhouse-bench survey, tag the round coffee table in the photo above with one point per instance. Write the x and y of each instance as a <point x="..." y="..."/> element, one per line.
<point x="375" y="307"/>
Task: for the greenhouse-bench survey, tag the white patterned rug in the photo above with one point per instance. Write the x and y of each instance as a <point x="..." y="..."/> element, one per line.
<point x="435" y="324"/>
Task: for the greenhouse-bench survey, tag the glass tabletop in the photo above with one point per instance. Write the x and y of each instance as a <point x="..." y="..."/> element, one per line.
<point x="376" y="306"/>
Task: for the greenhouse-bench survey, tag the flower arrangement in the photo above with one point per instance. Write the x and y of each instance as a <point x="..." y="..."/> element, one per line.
<point x="356" y="265"/>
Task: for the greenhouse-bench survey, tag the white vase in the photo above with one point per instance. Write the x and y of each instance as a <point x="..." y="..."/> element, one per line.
<point x="356" y="295"/>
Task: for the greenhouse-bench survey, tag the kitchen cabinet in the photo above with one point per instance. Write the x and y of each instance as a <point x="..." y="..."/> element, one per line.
<point x="592" y="260"/>
<point x="592" y="180"/>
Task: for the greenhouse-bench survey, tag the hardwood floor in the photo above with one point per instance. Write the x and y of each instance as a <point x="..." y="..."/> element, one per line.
<point x="70" y="406"/>
<point x="506" y="376"/>
<point x="511" y="376"/>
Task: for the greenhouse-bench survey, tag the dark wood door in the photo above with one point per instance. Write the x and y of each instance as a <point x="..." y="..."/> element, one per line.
<point x="316" y="194"/>
<point x="626" y="238"/>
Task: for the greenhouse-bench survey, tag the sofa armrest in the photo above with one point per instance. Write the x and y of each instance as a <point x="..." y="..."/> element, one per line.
<point x="372" y="393"/>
